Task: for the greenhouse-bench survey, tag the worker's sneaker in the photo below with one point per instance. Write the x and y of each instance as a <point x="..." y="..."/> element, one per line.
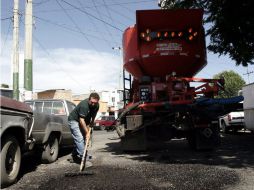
<point x="75" y="159"/>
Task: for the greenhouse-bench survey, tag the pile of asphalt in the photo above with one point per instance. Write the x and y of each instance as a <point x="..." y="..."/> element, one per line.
<point x="146" y="176"/>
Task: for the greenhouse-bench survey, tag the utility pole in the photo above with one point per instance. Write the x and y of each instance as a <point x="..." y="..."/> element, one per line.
<point x="28" y="62"/>
<point x="15" y="53"/>
<point x="248" y="73"/>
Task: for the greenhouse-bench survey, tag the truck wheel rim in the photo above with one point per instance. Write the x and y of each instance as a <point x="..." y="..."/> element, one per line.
<point x="10" y="161"/>
<point x="52" y="150"/>
<point x="52" y="146"/>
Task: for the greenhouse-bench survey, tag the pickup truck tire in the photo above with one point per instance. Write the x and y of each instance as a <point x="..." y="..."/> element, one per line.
<point x="51" y="149"/>
<point x="224" y="127"/>
<point x="102" y="127"/>
<point x="10" y="160"/>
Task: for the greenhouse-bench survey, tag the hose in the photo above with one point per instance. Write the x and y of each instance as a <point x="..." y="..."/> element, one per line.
<point x="120" y="127"/>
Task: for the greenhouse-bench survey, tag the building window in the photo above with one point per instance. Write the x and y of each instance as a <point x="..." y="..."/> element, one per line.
<point x="113" y="99"/>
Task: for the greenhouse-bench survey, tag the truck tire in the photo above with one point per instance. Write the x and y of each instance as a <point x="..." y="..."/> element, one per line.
<point x="102" y="127"/>
<point x="204" y="138"/>
<point x="224" y="127"/>
<point x="10" y="160"/>
<point x="51" y="149"/>
<point x="191" y="140"/>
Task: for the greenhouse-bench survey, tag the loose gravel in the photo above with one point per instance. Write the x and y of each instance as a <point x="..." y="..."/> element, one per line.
<point x="175" y="167"/>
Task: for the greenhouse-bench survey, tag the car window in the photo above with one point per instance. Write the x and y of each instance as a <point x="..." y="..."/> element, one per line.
<point x="30" y="104"/>
<point x="70" y="106"/>
<point x="111" y="118"/>
<point x="38" y="107"/>
<point x="47" y="107"/>
<point x="58" y="108"/>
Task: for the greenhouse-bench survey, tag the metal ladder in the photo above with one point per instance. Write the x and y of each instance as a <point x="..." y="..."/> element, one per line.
<point x="126" y="79"/>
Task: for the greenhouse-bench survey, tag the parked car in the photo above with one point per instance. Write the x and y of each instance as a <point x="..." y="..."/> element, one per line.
<point x="51" y="130"/>
<point x="16" y="127"/>
<point x="232" y="121"/>
<point x="105" y="122"/>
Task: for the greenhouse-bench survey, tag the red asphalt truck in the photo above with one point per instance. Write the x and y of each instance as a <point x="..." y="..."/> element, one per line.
<point x="163" y="52"/>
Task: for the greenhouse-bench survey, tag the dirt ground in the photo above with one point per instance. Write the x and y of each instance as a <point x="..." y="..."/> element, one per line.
<point x="176" y="166"/>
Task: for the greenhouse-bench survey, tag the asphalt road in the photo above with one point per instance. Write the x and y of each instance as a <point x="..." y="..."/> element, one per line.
<point x="176" y="166"/>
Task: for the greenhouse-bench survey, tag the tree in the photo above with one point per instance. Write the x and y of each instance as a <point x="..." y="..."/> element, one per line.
<point x="233" y="83"/>
<point x="231" y="26"/>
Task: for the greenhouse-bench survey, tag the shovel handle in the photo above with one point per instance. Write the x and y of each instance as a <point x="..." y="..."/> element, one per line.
<point x="82" y="164"/>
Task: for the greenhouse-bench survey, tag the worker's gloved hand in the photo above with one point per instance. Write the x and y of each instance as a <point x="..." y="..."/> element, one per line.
<point x="91" y="125"/>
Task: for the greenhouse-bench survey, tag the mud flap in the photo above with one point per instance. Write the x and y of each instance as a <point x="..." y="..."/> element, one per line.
<point x="207" y="138"/>
<point x="134" y="141"/>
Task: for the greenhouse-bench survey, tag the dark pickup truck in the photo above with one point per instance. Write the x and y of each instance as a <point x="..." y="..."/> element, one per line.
<point x="51" y="130"/>
<point x="40" y="125"/>
<point x="16" y="127"/>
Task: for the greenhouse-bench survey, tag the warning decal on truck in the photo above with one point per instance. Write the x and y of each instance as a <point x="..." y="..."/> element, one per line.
<point x="168" y="47"/>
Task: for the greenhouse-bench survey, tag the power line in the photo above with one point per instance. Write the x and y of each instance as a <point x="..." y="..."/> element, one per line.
<point x="7" y="18"/>
<point x="68" y="28"/>
<point x="92" y="15"/>
<point x="91" y="19"/>
<point x="248" y="73"/>
<point x="76" y="25"/>
<point x="3" y="44"/>
<point x="113" y="4"/>
<point x="109" y="13"/>
<point x="95" y="6"/>
<point x="119" y="13"/>
<point x="104" y="15"/>
<point x="104" y="3"/>
<point x="40" y="3"/>
<point x="127" y="8"/>
<point x="106" y="27"/>
<point x="54" y="61"/>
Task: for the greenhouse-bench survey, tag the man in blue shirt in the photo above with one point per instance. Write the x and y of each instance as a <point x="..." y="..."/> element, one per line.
<point x="79" y="122"/>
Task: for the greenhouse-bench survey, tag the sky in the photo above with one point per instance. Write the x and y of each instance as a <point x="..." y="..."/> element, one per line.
<point x="73" y="44"/>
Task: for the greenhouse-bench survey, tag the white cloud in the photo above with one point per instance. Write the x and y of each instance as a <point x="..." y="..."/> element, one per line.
<point x="81" y="70"/>
<point x="67" y="68"/>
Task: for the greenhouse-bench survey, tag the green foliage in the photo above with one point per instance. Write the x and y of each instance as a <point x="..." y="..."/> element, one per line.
<point x="233" y="83"/>
<point x="231" y="26"/>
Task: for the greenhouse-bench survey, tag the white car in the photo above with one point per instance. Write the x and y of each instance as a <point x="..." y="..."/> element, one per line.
<point x="232" y="121"/>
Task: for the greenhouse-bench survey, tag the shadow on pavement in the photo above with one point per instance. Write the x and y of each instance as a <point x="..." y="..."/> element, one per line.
<point x="235" y="151"/>
<point x="31" y="160"/>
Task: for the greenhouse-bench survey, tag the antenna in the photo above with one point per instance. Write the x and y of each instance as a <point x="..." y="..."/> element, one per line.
<point x="248" y="73"/>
